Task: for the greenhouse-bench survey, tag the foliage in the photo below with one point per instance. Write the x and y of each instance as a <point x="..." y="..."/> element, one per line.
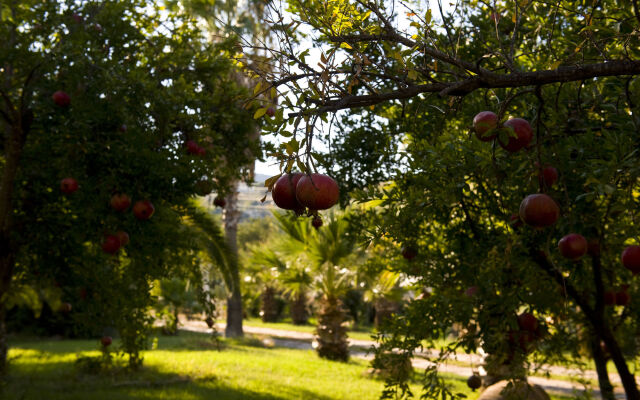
<point x="570" y="69"/>
<point x="142" y="82"/>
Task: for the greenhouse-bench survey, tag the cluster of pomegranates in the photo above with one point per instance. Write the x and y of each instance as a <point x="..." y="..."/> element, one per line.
<point x="142" y="210"/>
<point x="488" y="128"/>
<point x="529" y="331"/>
<point x="194" y="148"/>
<point x="300" y="192"/>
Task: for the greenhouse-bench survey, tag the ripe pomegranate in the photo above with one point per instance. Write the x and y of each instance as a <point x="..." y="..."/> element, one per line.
<point x="631" y="259"/>
<point x="143" y="209"/>
<point x="111" y="244"/>
<point x="106" y="341"/>
<point x="539" y="210"/>
<point x="623" y="298"/>
<point x="573" y="246"/>
<point x="523" y="132"/>
<point x="409" y="252"/>
<point x="120" y="201"/>
<point x="548" y="177"/>
<point x="284" y="191"/>
<point x="203" y="187"/>
<point x="68" y="185"/>
<point x="317" y="191"/>
<point x="192" y="147"/>
<point x="527" y="322"/>
<point x="123" y="237"/>
<point x="609" y="298"/>
<point x="61" y="98"/>
<point x="271" y="112"/>
<point x="219" y="202"/>
<point x="474" y="382"/>
<point x="316" y="222"/>
<point x="484" y="122"/>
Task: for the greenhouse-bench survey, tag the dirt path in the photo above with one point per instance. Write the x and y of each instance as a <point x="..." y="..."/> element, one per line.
<point x="303" y="341"/>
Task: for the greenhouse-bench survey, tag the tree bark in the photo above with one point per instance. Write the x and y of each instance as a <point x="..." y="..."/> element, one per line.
<point x="231" y="216"/>
<point x="606" y="388"/>
<point x="8" y="247"/>
<point x="234" y="315"/>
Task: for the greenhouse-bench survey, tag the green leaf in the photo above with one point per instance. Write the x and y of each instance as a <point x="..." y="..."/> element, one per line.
<point x="260" y="112"/>
<point x="269" y="182"/>
<point x="257" y="88"/>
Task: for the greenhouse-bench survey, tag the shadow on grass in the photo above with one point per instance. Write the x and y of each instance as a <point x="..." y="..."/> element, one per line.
<point x="39" y="371"/>
<point x="60" y="380"/>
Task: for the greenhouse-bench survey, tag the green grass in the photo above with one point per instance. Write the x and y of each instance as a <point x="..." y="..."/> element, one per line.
<point x="189" y="368"/>
<point x="363" y="333"/>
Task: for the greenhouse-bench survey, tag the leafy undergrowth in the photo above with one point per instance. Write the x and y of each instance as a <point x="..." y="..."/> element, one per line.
<point x="189" y="367"/>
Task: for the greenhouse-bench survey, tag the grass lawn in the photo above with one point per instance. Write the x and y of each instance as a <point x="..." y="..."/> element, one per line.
<point x="359" y="333"/>
<point x="189" y="368"/>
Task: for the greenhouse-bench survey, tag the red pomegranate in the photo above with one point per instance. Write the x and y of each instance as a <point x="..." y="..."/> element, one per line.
<point x="409" y="252"/>
<point x="123" y="237"/>
<point x="284" y="191"/>
<point x="68" y="185"/>
<point x="609" y="297"/>
<point x="631" y="259"/>
<point x="111" y="244"/>
<point x="317" y="191"/>
<point x="539" y="210"/>
<point x="523" y="131"/>
<point x="143" y="209"/>
<point x="106" y="341"/>
<point x="549" y="176"/>
<point x="484" y="122"/>
<point x="573" y="246"/>
<point x="527" y="322"/>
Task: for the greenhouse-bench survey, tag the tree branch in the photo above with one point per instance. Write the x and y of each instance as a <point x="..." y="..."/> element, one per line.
<point x="536" y="78"/>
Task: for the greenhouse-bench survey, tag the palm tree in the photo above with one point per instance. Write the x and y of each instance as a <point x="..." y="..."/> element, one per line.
<point x="330" y="251"/>
<point x="267" y="265"/>
<point x="296" y="281"/>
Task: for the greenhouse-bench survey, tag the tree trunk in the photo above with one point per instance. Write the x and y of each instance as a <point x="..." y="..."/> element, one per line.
<point x="231" y="216"/>
<point x="384" y="309"/>
<point x="331" y="334"/>
<point x="8" y="247"/>
<point x="600" y="359"/>
<point x="269" y="306"/>
<point x="298" y="307"/>
<point x="234" y="315"/>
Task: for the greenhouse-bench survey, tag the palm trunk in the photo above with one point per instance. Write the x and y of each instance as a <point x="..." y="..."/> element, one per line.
<point x="298" y="308"/>
<point x="234" y="301"/>
<point x="269" y="307"/>
<point x="331" y="333"/>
